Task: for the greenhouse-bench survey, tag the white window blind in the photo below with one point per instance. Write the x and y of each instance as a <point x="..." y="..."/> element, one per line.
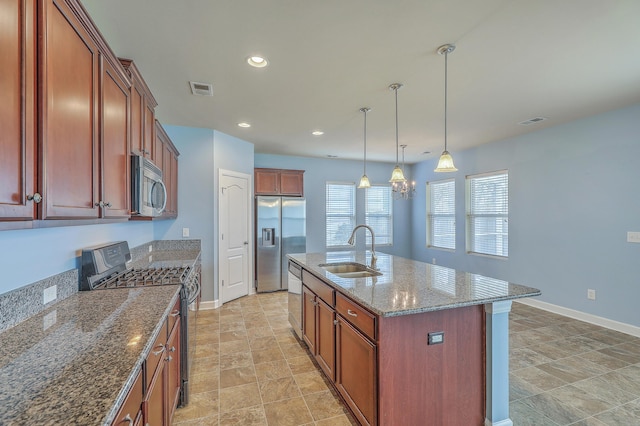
<point x="341" y="213"/>
<point x="488" y="214"/>
<point x="441" y="216"/>
<point x="379" y="214"/>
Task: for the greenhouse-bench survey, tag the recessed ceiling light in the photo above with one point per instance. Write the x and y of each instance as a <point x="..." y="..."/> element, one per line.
<point x="257" y="61"/>
<point x="426" y="152"/>
<point x="243" y="124"/>
<point x="317" y="133"/>
<point x="332" y="156"/>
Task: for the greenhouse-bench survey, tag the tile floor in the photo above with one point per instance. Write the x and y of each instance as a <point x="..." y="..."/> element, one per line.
<point x="250" y="370"/>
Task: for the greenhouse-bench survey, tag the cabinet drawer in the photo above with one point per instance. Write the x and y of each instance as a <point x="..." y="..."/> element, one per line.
<point x="360" y="318"/>
<point x="321" y="289"/>
<point x="174" y="315"/>
<point x="156" y="354"/>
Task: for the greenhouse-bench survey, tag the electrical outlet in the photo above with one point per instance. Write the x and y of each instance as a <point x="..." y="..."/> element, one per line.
<point x="150" y="258"/>
<point x="435" y="338"/>
<point x="49" y="294"/>
<point x="633" y="237"/>
<point x="433" y="261"/>
<point x="185" y="232"/>
<point x="591" y="294"/>
<point x="150" y="248"/>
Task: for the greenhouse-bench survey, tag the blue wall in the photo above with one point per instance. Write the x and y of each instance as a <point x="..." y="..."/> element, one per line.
<point x="573" y="195"/>
<point x="30" y="255"/>
<point x="203" y="152"/>
<point x="317" y="172"/>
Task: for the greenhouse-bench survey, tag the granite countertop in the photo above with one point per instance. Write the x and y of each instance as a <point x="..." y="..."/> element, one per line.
<point x="408" y="286"/>
<point x="75" y="362"/>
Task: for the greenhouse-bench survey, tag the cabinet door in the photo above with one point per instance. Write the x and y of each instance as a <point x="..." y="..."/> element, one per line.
<point x="309" y="318"/>
<point x="150" y="134"/>
<point x="291" y="183"/>
<point x="137" y="112"/>
<point x="115" y="200"/>
<point x="69" y="78"/>
<point x="173" y="372"/>
<point x="132" y="405"/>
<point x="326" y="338"/>
<point x="267" y="182"/>
<point x="154" y="404"/>
<point x="356" y="372"/>
<point x="17" y="109"/>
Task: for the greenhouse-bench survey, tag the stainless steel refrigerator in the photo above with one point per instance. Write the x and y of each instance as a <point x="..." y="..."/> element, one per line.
<point x="280" y="229"/>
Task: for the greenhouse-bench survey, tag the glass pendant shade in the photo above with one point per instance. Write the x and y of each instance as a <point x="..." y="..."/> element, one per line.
<point x="445" y="164"/>
<point x="364" y="182"/>
<point x="397" y="176"/>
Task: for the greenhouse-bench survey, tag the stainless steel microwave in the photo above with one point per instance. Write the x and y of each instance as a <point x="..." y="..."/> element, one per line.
<point x="148" y="192"/>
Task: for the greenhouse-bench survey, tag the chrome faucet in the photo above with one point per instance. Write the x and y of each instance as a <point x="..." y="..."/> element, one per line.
<point x="352" y="240"/>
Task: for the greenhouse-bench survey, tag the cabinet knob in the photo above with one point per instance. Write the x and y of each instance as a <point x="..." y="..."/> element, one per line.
<point x="173" y="349"/>
<point x="107" y="204"/>
<point x="169" y="358"/>
<point x="336" y="322"/>
<point x="100" y="204"/>
<point x="36" y="198"/>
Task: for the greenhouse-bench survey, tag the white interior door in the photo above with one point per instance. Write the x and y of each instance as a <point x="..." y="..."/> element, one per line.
<point x="234" y="235"/>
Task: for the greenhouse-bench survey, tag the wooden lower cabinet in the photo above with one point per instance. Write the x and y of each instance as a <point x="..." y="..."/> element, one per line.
<point x="172" y="367"/>
<point x="131" y="411"/>
<point x="318" y="329"/>
<point x="383" y="367"/>
<point x="356" y="372"/>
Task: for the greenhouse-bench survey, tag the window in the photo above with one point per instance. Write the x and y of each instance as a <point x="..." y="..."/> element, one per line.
<point x="341" y="213"/>
<point x="378" y="214"/>
<point x="488" y="214"/>
<point x="441" y="214"/>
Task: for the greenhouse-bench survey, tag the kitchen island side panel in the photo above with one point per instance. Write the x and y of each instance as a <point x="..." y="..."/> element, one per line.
<point x="437" y="384"/>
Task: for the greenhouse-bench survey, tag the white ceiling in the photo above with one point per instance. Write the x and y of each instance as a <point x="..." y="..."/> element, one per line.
<point x="515" y="60"/>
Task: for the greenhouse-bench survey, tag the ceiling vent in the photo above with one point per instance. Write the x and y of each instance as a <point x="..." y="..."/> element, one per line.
<point x="532" y="121"/>
<point x="201" y="89"/>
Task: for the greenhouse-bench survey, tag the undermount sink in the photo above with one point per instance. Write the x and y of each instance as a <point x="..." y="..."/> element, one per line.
<point x="350" y="270"/>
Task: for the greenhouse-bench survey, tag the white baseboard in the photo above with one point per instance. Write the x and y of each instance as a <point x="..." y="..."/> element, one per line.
<point x="209" y="304"/>
<point x="592" y="319"/>
<point x="506" y="422"/>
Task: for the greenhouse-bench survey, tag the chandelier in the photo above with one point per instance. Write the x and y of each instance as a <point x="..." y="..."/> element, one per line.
<point x="403" y="190"/>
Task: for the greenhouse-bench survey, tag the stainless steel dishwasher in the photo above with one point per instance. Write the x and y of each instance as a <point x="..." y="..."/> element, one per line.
<point x="294" y="277"/>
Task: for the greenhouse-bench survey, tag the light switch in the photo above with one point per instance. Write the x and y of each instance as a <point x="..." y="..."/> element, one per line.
<point x="185" y="232"/>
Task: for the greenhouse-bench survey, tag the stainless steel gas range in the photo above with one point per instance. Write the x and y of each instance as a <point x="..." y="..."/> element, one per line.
<point x="105" y="267"/>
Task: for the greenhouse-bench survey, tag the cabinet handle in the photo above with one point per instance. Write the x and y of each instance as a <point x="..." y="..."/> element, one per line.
<point x="128" y="419"/>
<point x="162" y="348"/>
<point x="350" y="312"/>
<point x="175" y="313"/>
<point x="36" y="198"/>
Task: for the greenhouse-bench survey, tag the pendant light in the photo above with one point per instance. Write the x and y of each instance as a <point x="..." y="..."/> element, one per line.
<point x="445" y="164"/>
<point x="396" y="176"/>
<point x="364" y="180"/>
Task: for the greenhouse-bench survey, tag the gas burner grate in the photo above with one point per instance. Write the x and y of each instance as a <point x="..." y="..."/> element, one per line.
<point x="147" y="277"/>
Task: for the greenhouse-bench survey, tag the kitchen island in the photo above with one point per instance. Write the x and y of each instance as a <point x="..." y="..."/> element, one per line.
<point x="416" y="344"/>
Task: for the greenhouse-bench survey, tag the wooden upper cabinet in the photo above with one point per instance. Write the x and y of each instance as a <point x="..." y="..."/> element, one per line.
<point x="143" y="104"/>
<point x="115" y="199"/>
<point x="279" y="182"/>
<point x="167" y="160"/>
<point x="69" y="80"/>
<point x="17" y="110"/>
